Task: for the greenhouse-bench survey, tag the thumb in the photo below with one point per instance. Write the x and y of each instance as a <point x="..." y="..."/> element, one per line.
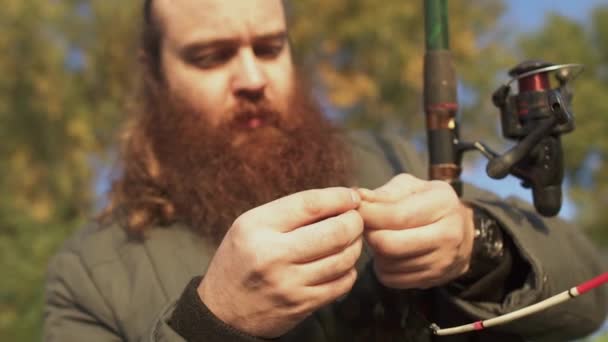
<point x="394" y="190"/>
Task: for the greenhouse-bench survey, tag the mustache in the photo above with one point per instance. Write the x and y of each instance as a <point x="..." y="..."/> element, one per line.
<point x="261" y="110"/>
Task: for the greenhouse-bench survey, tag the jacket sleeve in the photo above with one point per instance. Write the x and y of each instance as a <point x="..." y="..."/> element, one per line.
<point x="189" y="319"/>
<point x="559" y="257"/>
<point x="192" y="319"/>
<point x="75" y="310"/>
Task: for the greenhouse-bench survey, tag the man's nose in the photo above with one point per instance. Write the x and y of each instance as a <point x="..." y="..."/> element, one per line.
<point x="250" y="79"/>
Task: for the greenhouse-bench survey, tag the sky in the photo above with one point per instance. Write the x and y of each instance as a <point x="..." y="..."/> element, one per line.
<point x="526" y="16"/>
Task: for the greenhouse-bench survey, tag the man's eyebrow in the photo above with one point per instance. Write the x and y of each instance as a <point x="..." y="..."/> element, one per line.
<point x="281" y="35"/>
<point x="191" y="49"/>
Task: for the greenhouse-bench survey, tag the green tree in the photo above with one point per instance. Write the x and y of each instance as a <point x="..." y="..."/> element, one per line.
<point x="65" y="71"/>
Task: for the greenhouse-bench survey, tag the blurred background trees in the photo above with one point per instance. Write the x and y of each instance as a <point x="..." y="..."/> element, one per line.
<point x="68" y="69"/>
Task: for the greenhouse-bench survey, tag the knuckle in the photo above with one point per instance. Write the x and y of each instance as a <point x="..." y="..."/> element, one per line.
<point x="285" y="296"/>
<point x="452" y="237"/>
<point x="301" y="311"/>
<point x="462" y="266"/>
<point x="387" y="280"/>
<point x="260" y="266"/>
<point x="260" y="272"/>
<point x="339" y="231"/>
<point x="310" y="202"/>
<point x="445" y="268"/>
<point x="466" y="267"/>
<point x="438" y="280"/>
<point x="357" y="249"/>
<point x="382" y="252"/>
<point x="438" y="184"/>
<point x="304" y="309"/>
<point x="341" y="286"/>
<point x="400" y="218"/>
<point x="350" y="258"/>
<point x="263" y="260"/>
<point x="239" y="238"/>
<point x="240" y="224"/>
<point x="380" y="265"/>
<point x="386" y="248"/>
<point x="256" y="279"/>
<point x="442" y="268"/>
<point x="373" y="242"/>
<point x="428" y="280"/>
<point x="352" y="225"/>
<point x="352" y="278"/>
<point x="404" y="178"/>
<point x="447" y="192"/>
<point x="357" y="221"/>
<point x="442" y="186"/>
<point x="342" y="263"/>
<point x="349" y="282"/>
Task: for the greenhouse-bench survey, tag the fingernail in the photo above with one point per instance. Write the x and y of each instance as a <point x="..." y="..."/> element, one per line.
<point x="355" y="196"/>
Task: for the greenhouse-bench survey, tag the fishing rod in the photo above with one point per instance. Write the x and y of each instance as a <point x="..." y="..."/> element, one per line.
<point x="529" y="310"/>
<point x="534" y="117"/>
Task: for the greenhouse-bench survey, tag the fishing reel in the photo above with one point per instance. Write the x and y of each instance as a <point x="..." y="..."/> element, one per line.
<point x="535" y="117"/>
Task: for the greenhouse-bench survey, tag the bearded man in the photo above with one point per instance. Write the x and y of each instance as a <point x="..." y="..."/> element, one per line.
<point x="242" y="214"/>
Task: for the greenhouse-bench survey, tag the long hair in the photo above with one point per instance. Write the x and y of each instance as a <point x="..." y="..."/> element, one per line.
<point x="138" y="196"/>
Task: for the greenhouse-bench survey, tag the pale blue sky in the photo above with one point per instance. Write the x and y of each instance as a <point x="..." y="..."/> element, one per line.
<point x="525" y="15"/>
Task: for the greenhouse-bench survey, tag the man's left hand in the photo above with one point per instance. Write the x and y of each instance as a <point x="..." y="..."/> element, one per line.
<point x="420" y="232"/>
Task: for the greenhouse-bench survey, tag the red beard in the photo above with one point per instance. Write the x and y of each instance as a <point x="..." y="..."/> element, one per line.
<point x="213" y="175"/>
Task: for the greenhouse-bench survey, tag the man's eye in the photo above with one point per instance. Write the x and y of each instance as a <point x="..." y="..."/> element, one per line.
<point x="214" y="58"/>
<point x="268" y="51"/>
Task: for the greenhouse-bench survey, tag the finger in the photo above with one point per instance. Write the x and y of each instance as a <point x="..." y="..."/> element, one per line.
<point x="397" y="244"/>
<point x="302" y="208"/>
<point x="395" y="189"/>
<point x="408" y="264"/>
<point x="331" y="267"/>
<point x="326" y="293"/>
<point x="416" y="210"/>
<point x="324" y="238"/>
<point x="421" y="262"/>
<point x="417" y="280"/>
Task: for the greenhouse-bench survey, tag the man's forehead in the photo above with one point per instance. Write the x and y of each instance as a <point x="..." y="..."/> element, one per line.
<point x="194" y="20"/>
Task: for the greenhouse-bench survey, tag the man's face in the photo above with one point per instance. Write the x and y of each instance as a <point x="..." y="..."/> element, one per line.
<point x="217" y="54"/>
<point x="229" y="127"/>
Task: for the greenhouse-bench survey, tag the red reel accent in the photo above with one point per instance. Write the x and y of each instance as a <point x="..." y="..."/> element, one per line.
<point x="536" y="82"/>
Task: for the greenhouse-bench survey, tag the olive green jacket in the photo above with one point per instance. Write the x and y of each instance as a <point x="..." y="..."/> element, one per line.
<point x="103" y="286"/>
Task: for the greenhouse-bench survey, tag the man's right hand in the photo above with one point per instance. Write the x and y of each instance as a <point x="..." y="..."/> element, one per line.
<point x="282" y="261"/>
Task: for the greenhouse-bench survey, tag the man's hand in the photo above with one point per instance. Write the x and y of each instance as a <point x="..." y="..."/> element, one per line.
<point x="282" y="261"/>
<point x="421" y="234"/>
